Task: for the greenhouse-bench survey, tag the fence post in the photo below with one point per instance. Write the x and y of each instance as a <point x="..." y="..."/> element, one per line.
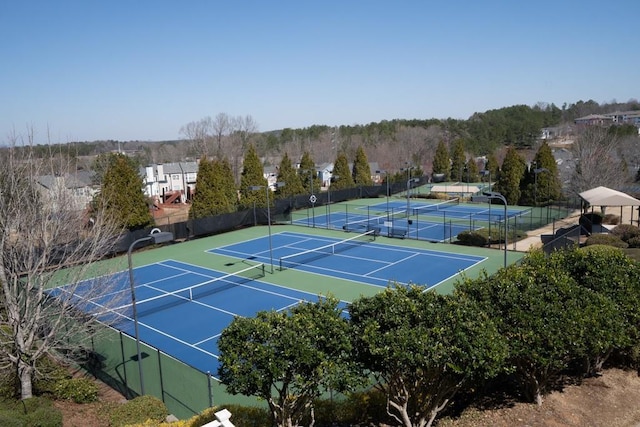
<point x="209" y="387"/>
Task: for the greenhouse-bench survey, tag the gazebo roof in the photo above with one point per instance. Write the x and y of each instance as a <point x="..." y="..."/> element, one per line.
<point x="603" y="196"/>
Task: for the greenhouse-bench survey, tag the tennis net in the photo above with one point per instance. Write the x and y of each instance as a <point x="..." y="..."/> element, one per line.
<point x="172" y="298"/>
<point x="436" y="207"/>
<point x="291" y="261"/>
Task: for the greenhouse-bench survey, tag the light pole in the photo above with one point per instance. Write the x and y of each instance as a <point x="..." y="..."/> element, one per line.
<point x="267" y="190"/>
<point x="408" y="190"/>
<point x="331" y="179"/>
<point x="386" y="178"/>
<point x="156" y="238"/>
<point x="494" y="195"/>
<point x="409" y="181"/>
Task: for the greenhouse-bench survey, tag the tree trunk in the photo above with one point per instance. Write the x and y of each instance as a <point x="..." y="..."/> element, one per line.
<point x="26" y="387"/>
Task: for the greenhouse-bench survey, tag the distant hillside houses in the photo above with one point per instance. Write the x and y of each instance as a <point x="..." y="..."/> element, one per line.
<point x="617" y="118"/>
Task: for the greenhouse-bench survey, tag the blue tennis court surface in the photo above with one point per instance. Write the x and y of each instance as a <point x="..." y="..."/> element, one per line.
<point x="370" y="263"/>
<point x="187" y="329"/>
<point x="435" y="222"/>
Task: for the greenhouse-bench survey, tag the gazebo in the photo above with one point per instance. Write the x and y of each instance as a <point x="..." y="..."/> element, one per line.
<point x="604" y="197"/>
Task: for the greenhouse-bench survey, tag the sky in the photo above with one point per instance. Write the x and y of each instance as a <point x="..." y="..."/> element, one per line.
<point x="91" y="70"/>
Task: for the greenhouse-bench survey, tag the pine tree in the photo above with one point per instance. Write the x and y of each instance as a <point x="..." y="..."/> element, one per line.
<point x="287" y="174"/>
<point x="458" y="160"/>
<point x="227" y="183"/>
<point x="252" y="175"/>
<point x="511" y="173"/>
<point x="204" y="198"/>
<point x="361" y="171"/>
<point x="308" y="174"/>
<point x="122" y="195"/>
<point x="472" y="173"/>
<point x="342" y="174"/>
<point x="441" y="162"/>
<point x="542" y="182"/>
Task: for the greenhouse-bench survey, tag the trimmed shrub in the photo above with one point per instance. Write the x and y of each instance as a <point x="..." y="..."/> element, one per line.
<point x="138" y="411"/>
<point x="606" y="239"/>
<point x="611" y="219"/>
<point x="626" y="232"/>
<point x="80" y="390"/>
<point x="634" y="242"/>
<point x="474" y="238"/>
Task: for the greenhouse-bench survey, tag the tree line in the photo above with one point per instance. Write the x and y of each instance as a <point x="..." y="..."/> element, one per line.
<point x="550" y="318"/>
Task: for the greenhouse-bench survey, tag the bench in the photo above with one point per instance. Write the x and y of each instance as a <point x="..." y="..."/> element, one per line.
<point x="398" y="232"/>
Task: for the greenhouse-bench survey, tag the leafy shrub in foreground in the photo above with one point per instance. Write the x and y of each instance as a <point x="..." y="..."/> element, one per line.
<point x="138" y="411"/>
<point x="606" y="239"/>
<point x="80" y="390"/>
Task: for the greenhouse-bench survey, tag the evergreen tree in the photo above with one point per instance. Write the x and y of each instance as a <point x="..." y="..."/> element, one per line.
<point x="342" y="174"/>
<point x="308" y="174"/>
<point x="458" y="160"/>
<point x="541" y="183"/>
<point x="492" y="165"/>
<point x="471" y="173"/>
<point x="287" y="174"/>
<point x="441" y="162"/>
<point x="361" y="171"/>
<point x="511" y="173"/>
<point x="204" y="198"/>
<point x="252" y="175"/>
<point x="227" y="183"/>
<point x="121" y="193"/>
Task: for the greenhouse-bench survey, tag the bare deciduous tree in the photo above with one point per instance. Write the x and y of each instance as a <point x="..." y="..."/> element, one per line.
<point x="221" y="126"/>
<point x="199" y="133"/>
<point x="597" y="161"/>
<point x="44" y="243"/>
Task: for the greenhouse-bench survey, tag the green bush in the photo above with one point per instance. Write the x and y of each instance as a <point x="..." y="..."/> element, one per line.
<point x="611" y="219"/>
<point x="138" y="411"/>
<point x="363" y="408"/>
<point x="80" y="390"/>
<point x="606" y="239"/>
<point x="626" y="232"/>
<point x="474" y="238"/>
<point x="634" y="242"/>
<point x="48" y="375"/>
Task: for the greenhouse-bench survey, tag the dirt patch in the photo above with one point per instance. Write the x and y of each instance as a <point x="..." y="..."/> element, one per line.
<point x="608" y="401"/>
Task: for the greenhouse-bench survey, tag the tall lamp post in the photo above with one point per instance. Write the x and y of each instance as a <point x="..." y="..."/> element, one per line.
<point x="156" y="237"/>
<point x="411" y="180"/>
<point x="331" y="179"/>
<point x="268" y="190"/>
<point x="386" y="178"/>
<point x="494" y="195"/>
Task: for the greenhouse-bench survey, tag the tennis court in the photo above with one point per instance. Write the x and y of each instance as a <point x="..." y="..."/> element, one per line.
<point x="183" y="308"/>
<point x="356" y="258"/>
<point x="435" y="222"/>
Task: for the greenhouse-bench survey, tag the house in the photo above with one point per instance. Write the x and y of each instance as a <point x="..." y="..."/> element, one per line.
<point x="170" y="182"/>
<point x="76" y="189"/>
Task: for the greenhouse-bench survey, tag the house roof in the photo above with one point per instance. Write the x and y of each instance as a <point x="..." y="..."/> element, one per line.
<point x="603" y="196"/>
